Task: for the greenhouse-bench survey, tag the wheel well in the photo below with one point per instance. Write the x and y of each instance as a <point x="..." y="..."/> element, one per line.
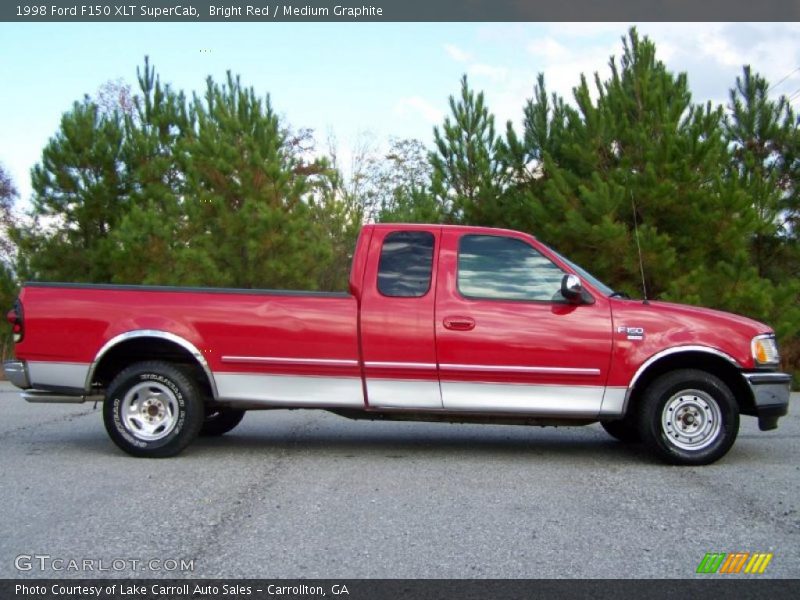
<point x="140" y="349"/>
<point x="703" y="361"/>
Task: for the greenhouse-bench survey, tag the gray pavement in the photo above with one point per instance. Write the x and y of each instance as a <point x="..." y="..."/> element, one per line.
<point x="309" y="494"/>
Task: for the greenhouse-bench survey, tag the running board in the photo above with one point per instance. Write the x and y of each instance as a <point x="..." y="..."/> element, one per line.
<point x="51" y="398"/>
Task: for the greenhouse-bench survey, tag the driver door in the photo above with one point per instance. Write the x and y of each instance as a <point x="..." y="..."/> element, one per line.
<point x="506" y="339"/>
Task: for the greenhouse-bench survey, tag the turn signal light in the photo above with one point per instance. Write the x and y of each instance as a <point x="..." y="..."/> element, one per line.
<point x="765" y="350"/>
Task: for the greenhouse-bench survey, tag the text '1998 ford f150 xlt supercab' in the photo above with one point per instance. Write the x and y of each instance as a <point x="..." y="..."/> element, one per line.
<point x="440" y="323"/>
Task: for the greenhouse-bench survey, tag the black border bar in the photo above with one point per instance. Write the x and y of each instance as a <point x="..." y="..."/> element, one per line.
<point x="274" y="11"/>
<point x="406" y="589"/>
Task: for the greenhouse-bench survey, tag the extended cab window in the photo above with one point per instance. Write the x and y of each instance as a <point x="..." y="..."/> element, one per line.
<point x="503" y="268"/>
<point x="406" y="262"/>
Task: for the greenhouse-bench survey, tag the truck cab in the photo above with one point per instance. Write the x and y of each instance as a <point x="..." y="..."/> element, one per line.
<point x="446" y="323"/>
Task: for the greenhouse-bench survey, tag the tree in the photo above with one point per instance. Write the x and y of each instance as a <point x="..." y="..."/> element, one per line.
<point x="399" y="183"/>
<point x="152" y="233"/>
<point x="764" y="138"/>
<point x="763" y="134"/>
<point x="116" y="96"/>
<point x="248" y="209"/>
<point x="79" y="197"/>
<point x="8" y="196"/>
<point x="8" y="284"/>
<point x="638" y="157"/>
<point x="467" y="174"/>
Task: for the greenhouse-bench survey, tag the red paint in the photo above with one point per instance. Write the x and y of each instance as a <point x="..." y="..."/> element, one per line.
<point x="66" y="324"/>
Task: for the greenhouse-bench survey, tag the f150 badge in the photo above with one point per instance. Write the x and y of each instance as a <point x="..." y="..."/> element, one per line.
<point x="632" y="333"/>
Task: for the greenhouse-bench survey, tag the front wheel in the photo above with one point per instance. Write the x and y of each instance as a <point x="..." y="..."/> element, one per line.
<point x="153" y="409"/>
<point x="689" y="417"/>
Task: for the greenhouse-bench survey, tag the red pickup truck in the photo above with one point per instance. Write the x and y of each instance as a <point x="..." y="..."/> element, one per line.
<point x="440" y="323"/>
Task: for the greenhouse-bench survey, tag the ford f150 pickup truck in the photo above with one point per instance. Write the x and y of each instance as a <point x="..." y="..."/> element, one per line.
<point x="440" y="323"/>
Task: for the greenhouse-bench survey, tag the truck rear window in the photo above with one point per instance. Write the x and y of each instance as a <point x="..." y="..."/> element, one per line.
<point x="404" y="270"/>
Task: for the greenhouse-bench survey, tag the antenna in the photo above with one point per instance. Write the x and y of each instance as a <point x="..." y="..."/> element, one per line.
<point x="639" y="249"/>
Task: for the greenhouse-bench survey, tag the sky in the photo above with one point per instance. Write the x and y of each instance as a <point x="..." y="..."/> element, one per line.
<point x="359" y="82"/>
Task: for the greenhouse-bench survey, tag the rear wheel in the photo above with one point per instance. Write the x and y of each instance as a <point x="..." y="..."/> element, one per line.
<point x="153" y="409"/>
<point x="689" y="417"/>
<point x="220" y="421"/>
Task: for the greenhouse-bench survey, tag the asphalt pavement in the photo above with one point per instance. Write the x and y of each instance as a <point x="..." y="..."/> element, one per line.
<point x="291" y="494"/>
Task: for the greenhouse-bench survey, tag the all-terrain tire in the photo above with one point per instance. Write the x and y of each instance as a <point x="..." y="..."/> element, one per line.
<point x="153" y="409"/>
<point x="689" y="417"/>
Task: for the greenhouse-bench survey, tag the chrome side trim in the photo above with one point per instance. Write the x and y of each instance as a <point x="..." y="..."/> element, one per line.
<point x="669" y="351"/>
<point x="535" y="400"/>
<point x="399" y="365"/>
<point x="521" y="369"/>
<point x="291" y="361"/>
<point x="57" y="374"/>
<point x="613" y="401"/>
<point x="406" y="394"/>
<point x="153" y="333"/>
<point x="17" y="373"/>
<point x="291" y="391"/>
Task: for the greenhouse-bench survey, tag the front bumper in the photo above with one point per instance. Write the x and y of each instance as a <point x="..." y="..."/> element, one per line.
<point x="17" y="373"/>
<point x="771" y="393"/>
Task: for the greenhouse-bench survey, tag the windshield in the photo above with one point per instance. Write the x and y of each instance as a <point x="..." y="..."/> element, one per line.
<point x="584" y="274"/>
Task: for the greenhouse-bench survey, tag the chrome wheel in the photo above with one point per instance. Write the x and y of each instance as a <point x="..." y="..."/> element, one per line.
<point x="691" y="420"/>
<point x="150" y="410"/>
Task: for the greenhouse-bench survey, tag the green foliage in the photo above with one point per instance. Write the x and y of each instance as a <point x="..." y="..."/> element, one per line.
<point x="399" y="185"/>
<point x="80" y="194"/>
<point x="210" y="190"/>
<point x="467" y="174"/>
<point x="636" y="156"/>
<point x="712" y="198"/>
<point x="155" y="187"/>
<point x="8" y="284"/>
<point x="151" y="231"/>
<point x="248" y="190"/>
<point x="764" y="140"/>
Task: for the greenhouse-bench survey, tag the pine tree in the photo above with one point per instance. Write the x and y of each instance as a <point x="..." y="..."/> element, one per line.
<point x="152" y="232"/>
<point x="248" y="207"/>
<point x="467" y="173"/>
<point x="636" y="157"/>
<point x="8" y="284"/>
<point x="763" y="136"/>
<point x="8" y="196"/>
<point x="80" y="195"/>
<point x="764" y="139"/>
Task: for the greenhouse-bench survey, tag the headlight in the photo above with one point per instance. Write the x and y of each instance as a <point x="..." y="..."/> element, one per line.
<point x="765" y="350"/>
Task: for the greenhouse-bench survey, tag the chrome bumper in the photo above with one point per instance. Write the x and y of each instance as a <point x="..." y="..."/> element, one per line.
<point x="771" y="392"/>
<point x="17" y="373"/>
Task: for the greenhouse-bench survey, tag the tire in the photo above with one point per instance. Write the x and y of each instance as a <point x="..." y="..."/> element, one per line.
<point x="624" y="430"/>
<point x="220" y="421"/>
<point x="689" y="417"/>
<point x="153" y="409"/>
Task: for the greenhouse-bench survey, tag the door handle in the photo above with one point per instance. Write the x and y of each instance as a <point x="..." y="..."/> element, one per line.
<point x="459" y="323"/>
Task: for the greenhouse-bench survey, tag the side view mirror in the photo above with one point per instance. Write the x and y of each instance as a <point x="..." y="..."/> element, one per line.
<point x="572" y="288"/>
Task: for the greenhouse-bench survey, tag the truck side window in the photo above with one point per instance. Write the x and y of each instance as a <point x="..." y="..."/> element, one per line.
<point x="406" y="262"/>
<point x="503" y="268"/>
